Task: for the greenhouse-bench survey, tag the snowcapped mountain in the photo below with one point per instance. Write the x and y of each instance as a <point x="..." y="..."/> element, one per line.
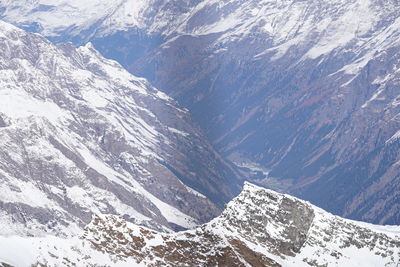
<point x="303" y="92"/>
<point x="80" y="135"/>
<point x="333" y="24"/>
<point x="258" y="228"/>
<point x="301" y="95"/>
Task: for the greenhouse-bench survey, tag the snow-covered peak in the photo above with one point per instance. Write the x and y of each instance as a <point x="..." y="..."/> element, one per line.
<point x="317" y="27"/>
<point x="258" y="228"/>
<point x="74" y="16"/>
<point x="81" y="135"/>
<point x="337" y="22"/>
<point x="301" y="233"/>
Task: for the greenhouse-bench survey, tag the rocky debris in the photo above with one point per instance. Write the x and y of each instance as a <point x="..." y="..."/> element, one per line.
<point x="113" y="236"/>
<point x="258" y="228"/>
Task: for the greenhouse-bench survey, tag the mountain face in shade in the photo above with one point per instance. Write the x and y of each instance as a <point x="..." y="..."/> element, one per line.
<point x="303" y="95"/>
<point x="258" y="228"/>
<point x="80" y="135"/>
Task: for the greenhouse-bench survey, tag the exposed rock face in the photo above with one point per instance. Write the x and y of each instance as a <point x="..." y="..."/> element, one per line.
<point x="258" y="228"/>
<point x="2" y="122"/>
<point x="188" y="249"/>
<point x="83" y="135"/>
<point x="307" y="90"/>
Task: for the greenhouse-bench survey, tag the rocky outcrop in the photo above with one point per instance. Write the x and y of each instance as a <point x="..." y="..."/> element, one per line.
<point x="2" y="122"/>
<point x="258" y="228"/>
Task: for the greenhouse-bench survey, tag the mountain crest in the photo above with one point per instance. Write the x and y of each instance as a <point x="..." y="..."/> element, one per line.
<point x="258" y="228"/>
<point x="81" y="135"/>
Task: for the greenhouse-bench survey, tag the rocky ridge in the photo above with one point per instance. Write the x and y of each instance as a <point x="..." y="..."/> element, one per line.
<point x="258" y="228"/>
<point x="80" y="135"/>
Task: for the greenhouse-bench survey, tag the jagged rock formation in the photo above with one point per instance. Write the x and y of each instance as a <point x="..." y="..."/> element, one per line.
<point x="258" y="228"/>
<point x="79" y="134"/>
<point x="306" y="91"/>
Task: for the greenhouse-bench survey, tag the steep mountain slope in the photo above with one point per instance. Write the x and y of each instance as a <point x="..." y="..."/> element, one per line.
<point x="258" y="228"/>
<point x="79" y="134"/>
<point x="303" y="92"/>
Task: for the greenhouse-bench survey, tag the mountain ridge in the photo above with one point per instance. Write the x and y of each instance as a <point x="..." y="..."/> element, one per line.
<point x="258" y="228"/>
<point x="306" y="92"/>
<point x="80" y="135"/>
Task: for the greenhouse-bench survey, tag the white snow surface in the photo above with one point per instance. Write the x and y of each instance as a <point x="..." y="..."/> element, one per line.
<point x="330" y="240"/>
<point x="73" y="13"/>
<point x="19" y="251"/>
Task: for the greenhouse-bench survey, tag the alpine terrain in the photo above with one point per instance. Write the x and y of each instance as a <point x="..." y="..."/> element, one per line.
<point x="80" y="135"/>
<point x="258" y="228"/>
<point x="302" y="95"/>
<point x="128" y="128"/>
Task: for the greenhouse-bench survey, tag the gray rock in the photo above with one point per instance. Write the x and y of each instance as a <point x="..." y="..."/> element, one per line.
<point x="84" y="136"/>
